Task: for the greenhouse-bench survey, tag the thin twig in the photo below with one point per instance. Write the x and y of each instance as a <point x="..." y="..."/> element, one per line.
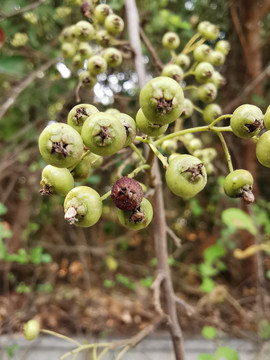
<point x="157" y="62"/>
<point x="22" y="10"/>
<point x="156" y="293"/>
<point x="15" y="92"/>
<point x="188" y="308"/>
<point x="176" y="239"/>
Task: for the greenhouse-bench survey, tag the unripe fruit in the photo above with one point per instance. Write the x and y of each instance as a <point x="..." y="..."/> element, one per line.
<point x="82" y="206"/>
<point x="203" y="72"/>
<point x="207" y="92"/>
<point x="114" y="24"/>
<point x="195" y="144"/>
<point x="68" y="34"/>
<point x="60" y="145"/>
<point x="101" y="12"/>
<point x="202" y="53"/>
<point x="113" y="57"/>
<point x="211" y="113"/>
<point x="223" y="46"/>
<point x="183" y="61"/>
<point x="136" y="219"/>
<point x="169" y="146"/>
<point x="147" y="127"/>
<point x="56" y="180"/>
<point x="129" y="125"/>
<point x="84" y="31"/>
<point x="82" y="171"/>
<point x="85" y="50"/>
<point x="173" y="71"/>
<point x="187" y="109"/>
<point x="211" y="32"/>
<point x="103" y="134"/>
<point x="77" y="62"/>
<point x="112" y="111"/>
<point x="161" y="100"/>
<point x="217" y="79"/>
<point x="97" y="65"/>
<point x="217" y="58"/>
<point x="239" y="184"/>
<point x="68" y="50"/>
<point x="78" y="114"/>
<point x="263" y="149"/>
<point x="247" y="121"/>
<point x="87" y="80"/>
<point x="127" y="193"/>
<point x="95" y="160"/>
<point x="103" y="38"/>
<point x="266" y="118"/>
<point x="202" y="27"/>
<point x="186" y="176"/>
<point x="170" y="40"/>
<point x="31" y="330"/>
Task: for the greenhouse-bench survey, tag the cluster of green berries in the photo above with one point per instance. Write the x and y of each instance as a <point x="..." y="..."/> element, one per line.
<point x="89" y="43"/>
<point x="72" y="149"/>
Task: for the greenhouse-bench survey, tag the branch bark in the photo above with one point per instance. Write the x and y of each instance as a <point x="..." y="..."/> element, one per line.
<point x="15" y="92"/>
<point x="159" y="220"/>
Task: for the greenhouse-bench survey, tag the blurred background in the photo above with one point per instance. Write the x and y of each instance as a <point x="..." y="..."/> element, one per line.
<point x="98" y="280"/>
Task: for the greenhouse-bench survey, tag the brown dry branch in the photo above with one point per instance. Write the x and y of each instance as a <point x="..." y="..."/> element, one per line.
<point x="16" y="90"/>
<point x="158" y="204"/>
<point x="157" y="62"/>
<point x="156" y="293"/>
<point x="22" y="10"/>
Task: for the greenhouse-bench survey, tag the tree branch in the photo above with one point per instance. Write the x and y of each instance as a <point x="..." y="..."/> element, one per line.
<point x="156" y="293"/>
<point x="22" y="10"/>
<point x="157" y="62"/>
<point x="16" y="90"/>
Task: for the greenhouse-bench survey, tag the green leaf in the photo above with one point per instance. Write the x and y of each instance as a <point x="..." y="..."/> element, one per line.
<point x="13" y="65"/>
<point x="207" y="285"/>
<point x="10" y="350"/>
<point x="125" y="281"/>
<point x="268" y="274"/>
<point x="226" y="353"/>
<point x="213" y="252"/>
<point x="3" y="209"/>
<point x="209" y="332"/>
<point x="239" y="219"/>
<point x="147" y="281"/>
<point x="264" y="329"/>
<point x="207" y="269"/>
<point x="108" y="283"/>
<point x="195" y="207"/>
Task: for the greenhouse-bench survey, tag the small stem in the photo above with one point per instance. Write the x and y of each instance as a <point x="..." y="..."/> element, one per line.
<point x="122" y="352"/>
<point x="226" y="151"/>
<point x="103" y="352"/>
<point x="162" y="158"/>
<point x="137" y="151"/>
<point x="60" y="336"/>
<point x="190" y="42"/>
<point x="81" y="158"/>
<point x="106" y="195"/>
<point x="94" y="353"/>
<point x="198" y="43"/>
<point x="173" y="54"/>
<point x="188" y="73"/>
<point x="81" y="348"/>
<point x="189" y="87"/>
<point x="141" y="139"/>
<point x="226" y="116"/>
<point x="198" y="109"/>
<point x="192" y="130"/>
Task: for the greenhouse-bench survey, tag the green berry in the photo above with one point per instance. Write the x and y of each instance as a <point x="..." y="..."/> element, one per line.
<point x="247" y="121"/>
<point x="77" y="62"/>
<point x="147" y="127"/>
<point x="173" y="71"/>
<point x="56" y="181"/>
<point x="217" y="58"/>
<point x="217" y="79"/>
<point x="68" y="50"/>
<point x="169" y="146"/>
<point x="60" y="145"/>
<point x="114" y="24"/>
<point x="85" y="50"/>
<point x="112" y="111"/>
<point x="129" y="125"/>
<point x="113" y="57"/>
<point x="202" y="53"/>
<point x="101" y="12"/>
<point x="103" y="134"/>
<point x="187" y="109"/>
<point x="263" y="149"/>
<point x="239" y="184"/>
<point x="84" y="31"/>
<point x="83" y="206"/>
<point x="78" y="114"/>
<point x="170" y="40"/>
<point x="96" y="65"/>
<point x="186" y="176"/>
<point x="183" y="61"/>
<point x="82" y="171"/>
<point x="204" y="71"/>
<point x="211" y="113"/>
<point x="195" y="144"/>
<point x="161" y="100"/>
<point x="87" y="80"/>
<point x="68" y="34"/>
<point x="103" y="38"/>
<point x="31" y="330"/>
<point x="223" y="46"/>
<point x="207" y="92"/>
<point x="266" y="118"/>
<point x="136" y="219"/>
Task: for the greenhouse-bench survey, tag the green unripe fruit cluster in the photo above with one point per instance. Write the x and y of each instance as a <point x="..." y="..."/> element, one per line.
<point x="170" y="40"/>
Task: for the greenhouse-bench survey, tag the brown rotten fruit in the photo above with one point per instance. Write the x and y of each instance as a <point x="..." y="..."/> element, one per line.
<point x="127" y="193"/>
